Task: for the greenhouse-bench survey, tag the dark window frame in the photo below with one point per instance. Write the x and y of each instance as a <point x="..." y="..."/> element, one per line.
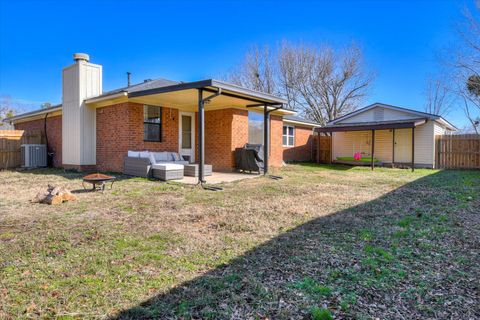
<point x="160" y="127"/>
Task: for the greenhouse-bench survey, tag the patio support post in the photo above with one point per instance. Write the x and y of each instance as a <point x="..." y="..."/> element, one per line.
<point x="413" y="149"/>
<point x="393" y="148"/>
<point x="266" y="134"/>
<point x="201" y="137"/>
<point x="373" y="149"/>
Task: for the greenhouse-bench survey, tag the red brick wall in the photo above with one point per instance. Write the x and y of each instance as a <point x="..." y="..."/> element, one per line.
<point x="54" y="134"/>
<point x="302" y="150"/>
<point x="120" y="128"/>
<point x="225" y="130"/>
<point x="276" y="149"/>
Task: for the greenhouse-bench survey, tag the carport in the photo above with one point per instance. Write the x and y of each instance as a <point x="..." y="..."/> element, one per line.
<point x="375" y="126"/>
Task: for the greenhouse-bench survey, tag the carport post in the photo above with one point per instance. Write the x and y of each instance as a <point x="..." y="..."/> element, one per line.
<point x="266" y="134"/>
<point x="201" y="137"/>
<point x="393" y="148"/>
<point x="373" y="149"/>
<point x="413" y="149"/>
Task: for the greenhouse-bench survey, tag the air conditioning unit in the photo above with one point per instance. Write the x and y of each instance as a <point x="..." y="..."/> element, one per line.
<point x="34" y="155"/>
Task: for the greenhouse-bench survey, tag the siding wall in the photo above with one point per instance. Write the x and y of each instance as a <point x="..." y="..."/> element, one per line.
<point x="383" y="145"/>
<point x="379" y="114"/>
<point x="345" y="144"/>
<point x="425" y="144"/>
<point x="79" y="81"/>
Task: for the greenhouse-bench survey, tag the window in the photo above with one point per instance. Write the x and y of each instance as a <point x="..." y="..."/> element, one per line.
<point x="288" y="136"/>
<point x="186" y="132"/>
<point x="152" y="123"/>
<point x="255" y="127"/>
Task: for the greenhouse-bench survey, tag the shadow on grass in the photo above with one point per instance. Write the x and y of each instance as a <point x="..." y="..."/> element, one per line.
<point x="377" y="259"/>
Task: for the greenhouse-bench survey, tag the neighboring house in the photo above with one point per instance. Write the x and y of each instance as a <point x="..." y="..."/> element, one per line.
<point x="297" y="139"/>
<point x="393" y="135"/>
<point x="93" y="130"/>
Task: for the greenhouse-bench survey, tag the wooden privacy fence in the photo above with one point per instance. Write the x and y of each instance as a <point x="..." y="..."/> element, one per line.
<point x="324" y="149"/>
<point x="458" y="151"/>
<point x="10" y="142"/>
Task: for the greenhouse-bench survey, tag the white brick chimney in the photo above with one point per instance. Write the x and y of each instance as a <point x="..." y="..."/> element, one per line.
<point x="80" y="81"/>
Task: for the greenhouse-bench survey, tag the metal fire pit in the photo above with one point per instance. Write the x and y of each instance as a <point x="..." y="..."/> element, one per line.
<point x="98" y="180"/>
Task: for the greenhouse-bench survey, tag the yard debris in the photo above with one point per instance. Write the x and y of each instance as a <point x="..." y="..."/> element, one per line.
<point x="54" y="195"/>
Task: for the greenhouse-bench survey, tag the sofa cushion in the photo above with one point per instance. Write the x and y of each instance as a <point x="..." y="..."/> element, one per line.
<point x="184" y="162"/>
<point x="152" y="158"/>
<point x="176" y="156"/>
<point x="167" y="166"/>
<point x="144" y="154"/>
<point x="133" y="154"/>
<point x="161" y="156"/>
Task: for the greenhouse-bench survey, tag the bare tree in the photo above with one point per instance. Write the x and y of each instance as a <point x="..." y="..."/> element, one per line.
<point x="327" y="83"/>
<point x="7" y="110"/>
<point x="439" y="98"/>
<point x="257" y="72"/>
<point x="320" y="82"/>
<point x="463" y="62"/>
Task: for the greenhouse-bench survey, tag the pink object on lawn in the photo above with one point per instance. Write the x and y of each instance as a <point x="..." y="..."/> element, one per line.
<point x="357" y="156"/>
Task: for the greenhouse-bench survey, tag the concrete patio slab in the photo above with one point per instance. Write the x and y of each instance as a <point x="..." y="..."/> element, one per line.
<point x="220" y="177"/>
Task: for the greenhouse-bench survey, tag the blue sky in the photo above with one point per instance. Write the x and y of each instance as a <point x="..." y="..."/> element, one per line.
<point x="194" y="40"/>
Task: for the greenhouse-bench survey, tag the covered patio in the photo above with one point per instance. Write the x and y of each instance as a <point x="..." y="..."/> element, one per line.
<point x="196" y="98"/>
<point x="391" y="142"/>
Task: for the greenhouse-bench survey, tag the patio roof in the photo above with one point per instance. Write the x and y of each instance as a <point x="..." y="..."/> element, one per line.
<point x="184" y="96"/>
<point x="379" y="125"/>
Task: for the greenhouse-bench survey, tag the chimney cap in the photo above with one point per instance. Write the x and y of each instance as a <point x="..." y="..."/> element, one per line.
<point x="81" y="57"/>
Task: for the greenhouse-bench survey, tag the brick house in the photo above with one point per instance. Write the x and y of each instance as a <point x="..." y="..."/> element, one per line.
<point x="204" y="121"/>
<point x="297" y="140"/>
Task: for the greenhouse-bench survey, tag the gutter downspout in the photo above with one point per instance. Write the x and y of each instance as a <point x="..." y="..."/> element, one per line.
<point x="46" y="137"/>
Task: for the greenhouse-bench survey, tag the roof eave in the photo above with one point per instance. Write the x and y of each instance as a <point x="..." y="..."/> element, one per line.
<point x="378" y="126"/>
<point x="214" y="85"/>
<point x="111" y="99"/>
<point x="447" y="124"/>
<point x="33" y="114"/>
<point x="307" y="124"/>
<point x="388" y="106"/>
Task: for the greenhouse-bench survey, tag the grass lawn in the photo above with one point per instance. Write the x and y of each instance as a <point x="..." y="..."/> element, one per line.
<point x="362" y="159"/>
<point x="323" y="242"/>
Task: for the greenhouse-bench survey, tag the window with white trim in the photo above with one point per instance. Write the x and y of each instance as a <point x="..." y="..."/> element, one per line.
<point x="288" y="136"/>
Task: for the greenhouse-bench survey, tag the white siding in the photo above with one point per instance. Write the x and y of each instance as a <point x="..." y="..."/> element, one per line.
<point x="439" y="129"/>
<point x="80" y="81"/>
<point x="403" y="145"/>
<point x="345" y="144"/>
<point x="383" y="145"/>
<point x="425" y="144"/>
<point x="379" y="114"/>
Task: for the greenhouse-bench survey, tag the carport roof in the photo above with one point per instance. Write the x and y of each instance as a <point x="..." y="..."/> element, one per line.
<point x="377" y="125"/>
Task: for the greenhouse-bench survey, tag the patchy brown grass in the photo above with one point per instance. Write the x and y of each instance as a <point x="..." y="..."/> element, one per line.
<point x="324" y="240"/>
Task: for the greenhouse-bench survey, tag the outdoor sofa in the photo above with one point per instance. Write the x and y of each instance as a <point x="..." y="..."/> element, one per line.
<point x="143" y="163"/>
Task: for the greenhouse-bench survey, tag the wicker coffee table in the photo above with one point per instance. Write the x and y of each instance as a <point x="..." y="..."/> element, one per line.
<point x="191" y="170"/>
<point x="167" y="171"/>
